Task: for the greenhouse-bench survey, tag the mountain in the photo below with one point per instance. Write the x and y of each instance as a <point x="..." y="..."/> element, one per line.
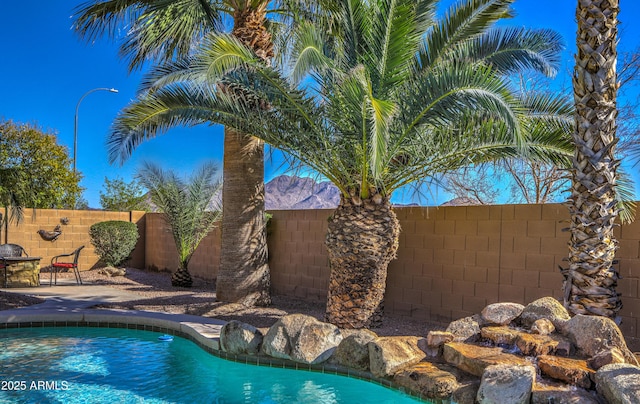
<point x="291" y="192"/>
<point x="461" y="201"/>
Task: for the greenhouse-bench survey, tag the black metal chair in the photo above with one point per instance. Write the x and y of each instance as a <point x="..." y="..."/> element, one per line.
<point x="7" y="251"/>
<point x="57" y="265"/>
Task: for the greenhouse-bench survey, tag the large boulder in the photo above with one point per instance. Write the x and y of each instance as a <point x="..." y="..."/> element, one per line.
<point x="572" y="371"/>
<point x="302" y="339"/>
<point x="501" y="335"/>
<point x="475" y="359"/>
<point x="387" y="355"/>
<point x="619" y="383"/>
<point x="466" y="392"/>
<point x="607" y="357"/>
<point x="594" y="334"/>
<point x="353" y="350"/>
<point x="501" y="313"/>
<point x="466" y="329"/>
<point x="506" y="384"/>
<point x="239" y="338"/>
<point x="562" y="394"/>
<point x="430" y="380"/>
<point x="546" y="307"/>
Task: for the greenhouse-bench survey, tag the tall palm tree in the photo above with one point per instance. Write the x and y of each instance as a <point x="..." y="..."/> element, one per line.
<point x="396" y="96"/>
<point x="162" y="31"/>
<point x="590" y="279"/>
<point x="185" y="208"/>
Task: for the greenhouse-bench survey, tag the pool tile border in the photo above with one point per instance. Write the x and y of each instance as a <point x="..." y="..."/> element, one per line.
<point x="186" y="329"/>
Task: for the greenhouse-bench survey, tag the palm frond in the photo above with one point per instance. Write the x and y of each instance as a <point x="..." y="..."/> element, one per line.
<point x="156" y="30"/>
<point x="463" y="21"/>
<point x="511" y="50"/>
<point x="309" y="52"/>
<point x="439" y="98"/>
<point x="392" y="41"/>
<point x="625" y="196"/>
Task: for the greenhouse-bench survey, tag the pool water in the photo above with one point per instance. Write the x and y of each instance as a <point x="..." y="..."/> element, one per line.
<point x="106" y="365"/>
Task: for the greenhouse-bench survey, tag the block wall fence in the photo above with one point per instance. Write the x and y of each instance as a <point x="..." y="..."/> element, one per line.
<point x="452" y="261"/>
<point x="74" y="234"/>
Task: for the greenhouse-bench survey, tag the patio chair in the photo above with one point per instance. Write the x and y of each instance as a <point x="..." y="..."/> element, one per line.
<point x="70" y="263"/>
<point x="9" y="250"/>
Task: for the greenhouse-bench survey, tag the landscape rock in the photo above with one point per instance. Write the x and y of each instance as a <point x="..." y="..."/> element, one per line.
<point x="560" y="393"/>
<point x="465" y="329"/>
<point x="500" y="335"/>
<point x="466" y="392"/>
<point x="435" y="339"/>
<point x="536" y="345"/>
<point x="506" y="384"/>
<point x="542" y="326"/>
<point x="475" y="359"/>
<point x="302" y="339"/>
<point x="546" y="307"/>
<point x="112" y="271"/>
<point x="594" y="334"/>
<point x="353" y="350"/>
<point x="607" y="357"/>
<point x="573" y="371"/>
<point x="428" y="379"/>
<point x="388" y="355"/>
<point x="239" y="338"/>
<point x="619" y="383"/>
<point x="501" y="313"/>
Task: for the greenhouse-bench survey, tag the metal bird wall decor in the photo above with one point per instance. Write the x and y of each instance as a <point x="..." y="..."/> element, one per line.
<point x="51" y="235"/>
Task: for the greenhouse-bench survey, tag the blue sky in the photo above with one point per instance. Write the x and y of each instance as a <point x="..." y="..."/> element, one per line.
<point x="46" y="69"/>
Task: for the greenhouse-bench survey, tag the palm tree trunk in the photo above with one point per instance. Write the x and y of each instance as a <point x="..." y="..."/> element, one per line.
<point x="181" y="278"/>
<point x="591" y="279"/>
<point x="362" y="239"/>
<point x="244" y="272"/>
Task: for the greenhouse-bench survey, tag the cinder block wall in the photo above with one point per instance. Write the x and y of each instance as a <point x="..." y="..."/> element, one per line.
<point x="74" y="234"/>
<point x="453" y="261"/>
<point x="298" y="259"/>
<point x="161" y="255"/>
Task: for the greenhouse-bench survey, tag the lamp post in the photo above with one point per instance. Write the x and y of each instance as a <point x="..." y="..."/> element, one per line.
<point x="75" y="125"/>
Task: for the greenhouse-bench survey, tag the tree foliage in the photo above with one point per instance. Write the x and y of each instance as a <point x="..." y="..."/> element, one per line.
<point x="35" y="169"/>
<point x="123" y="196"/>
<point x="396" y="95"/>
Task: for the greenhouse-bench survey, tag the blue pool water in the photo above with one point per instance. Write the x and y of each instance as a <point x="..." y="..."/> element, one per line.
<point x="102" y="365"/>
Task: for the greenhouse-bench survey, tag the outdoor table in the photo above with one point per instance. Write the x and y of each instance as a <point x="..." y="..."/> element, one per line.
<point x="22" y="272"/>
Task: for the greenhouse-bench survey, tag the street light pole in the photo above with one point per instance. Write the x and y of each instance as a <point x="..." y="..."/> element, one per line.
<point x="75" y="125"/>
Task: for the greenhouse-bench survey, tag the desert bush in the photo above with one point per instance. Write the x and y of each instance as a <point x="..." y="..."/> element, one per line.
<point x="114" y="240"/>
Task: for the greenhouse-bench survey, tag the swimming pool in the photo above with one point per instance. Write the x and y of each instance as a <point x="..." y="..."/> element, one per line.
<point x="95" y="365"/>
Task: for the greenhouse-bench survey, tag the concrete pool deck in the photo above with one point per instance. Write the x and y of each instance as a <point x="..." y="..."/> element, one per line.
<point x="68" y="304"/>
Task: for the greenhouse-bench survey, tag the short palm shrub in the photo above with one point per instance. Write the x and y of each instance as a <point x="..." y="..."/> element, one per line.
<point x="186" y="207"/>
<point x="114" y="240"/>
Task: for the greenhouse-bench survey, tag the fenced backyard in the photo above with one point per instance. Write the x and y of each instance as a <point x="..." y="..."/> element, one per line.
<point x="451" y="263"/>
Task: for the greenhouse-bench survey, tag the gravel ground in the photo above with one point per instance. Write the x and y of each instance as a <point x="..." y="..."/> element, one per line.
<point x="200" y="300"/>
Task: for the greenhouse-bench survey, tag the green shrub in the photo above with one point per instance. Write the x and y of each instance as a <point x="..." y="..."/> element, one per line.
<point x="114" y="240"/>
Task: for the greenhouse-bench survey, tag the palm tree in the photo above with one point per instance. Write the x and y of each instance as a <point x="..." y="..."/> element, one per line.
<point x="591" y="278"/>
<point x="12" y="194"/>
<point x="166" y="30"/>
<point x="396" y="96"/>
<point x="185" y="208"/>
